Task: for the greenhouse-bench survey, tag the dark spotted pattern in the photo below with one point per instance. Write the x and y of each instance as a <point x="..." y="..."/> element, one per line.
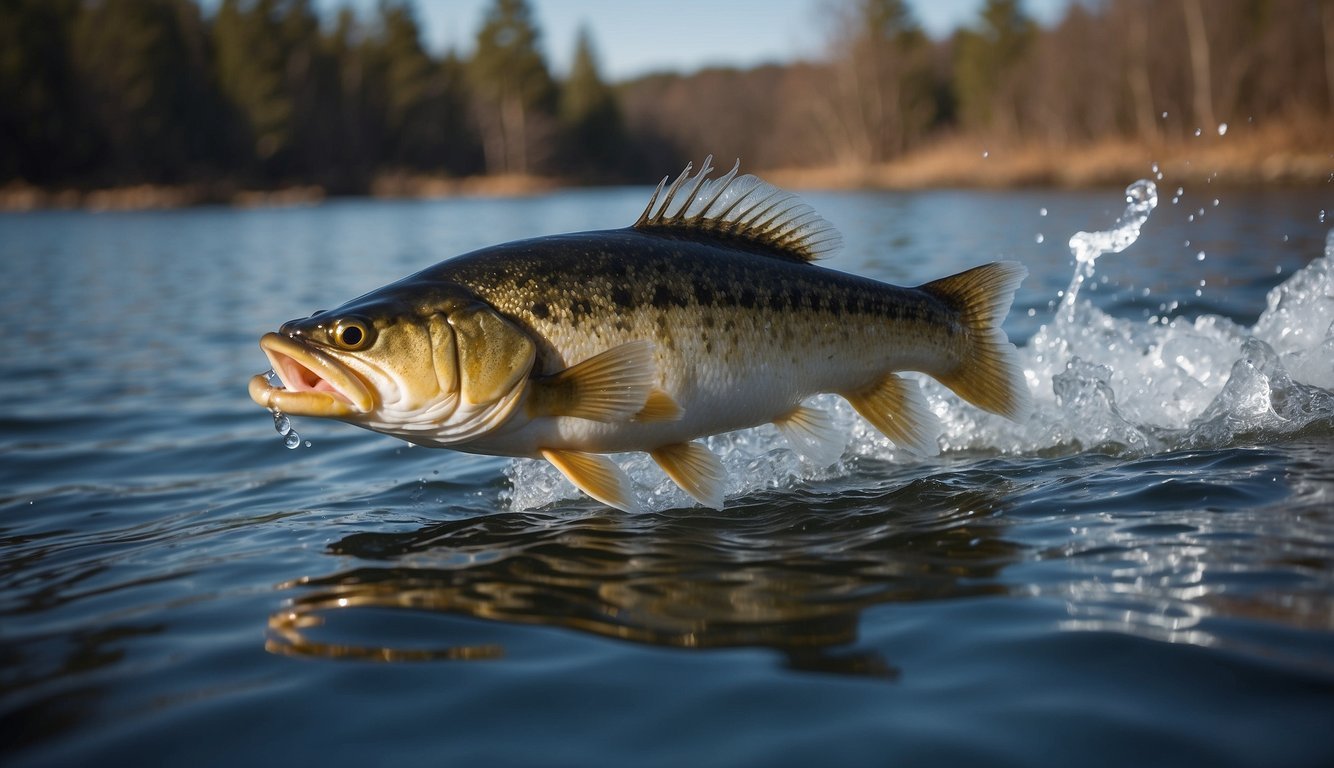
<point x="702" y="291"/>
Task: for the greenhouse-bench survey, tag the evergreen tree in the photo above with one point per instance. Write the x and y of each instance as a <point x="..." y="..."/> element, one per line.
<point x="425" y="102"/>
<point x="590" y="117"/>
<point x="43" y="132"/>
<point x="144" y="72"/>
<point x="987" y="66"/>
<point x="513" y="91"/>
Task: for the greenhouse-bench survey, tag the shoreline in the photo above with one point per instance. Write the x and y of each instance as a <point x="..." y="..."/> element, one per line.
<point x="1249" y="159"/>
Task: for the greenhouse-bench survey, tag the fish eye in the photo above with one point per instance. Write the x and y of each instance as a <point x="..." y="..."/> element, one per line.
<point x="351" y="333"/>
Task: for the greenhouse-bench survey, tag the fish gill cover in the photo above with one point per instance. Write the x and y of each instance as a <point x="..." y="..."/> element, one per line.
<point x="1102" y="383"/>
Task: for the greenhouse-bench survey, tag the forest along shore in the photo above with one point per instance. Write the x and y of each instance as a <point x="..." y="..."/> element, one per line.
<point x="1287" y="155"/>
<point x="122" y="104"/>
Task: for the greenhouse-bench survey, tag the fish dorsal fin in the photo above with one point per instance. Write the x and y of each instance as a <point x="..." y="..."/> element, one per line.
<point x="740" y="207"/>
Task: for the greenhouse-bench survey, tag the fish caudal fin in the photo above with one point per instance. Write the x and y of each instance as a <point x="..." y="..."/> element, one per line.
<point x="895" y="406"/>
<point x="696" y="469"/>
<point x="813" y="434"/>
<point x="595" y="475"/>
<point x="612" y="386"/>
<point x="989" y="375"/>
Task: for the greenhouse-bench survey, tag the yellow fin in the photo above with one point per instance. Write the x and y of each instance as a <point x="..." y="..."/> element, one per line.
<point x="660" y="406"/>
<point x="812" y="433"/>
<point x="595" y="475"/>
<point x="895" y="406"/>
<point x="611" y="386"/>
<point x="696" y="469"/>
<point x="990" y="375"/>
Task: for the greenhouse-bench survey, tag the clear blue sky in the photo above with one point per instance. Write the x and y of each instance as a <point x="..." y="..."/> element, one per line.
<point x="634" y="37"/>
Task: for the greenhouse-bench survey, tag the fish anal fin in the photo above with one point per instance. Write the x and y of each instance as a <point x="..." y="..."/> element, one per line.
<point x="614" y="385"/>
<point x="696" y="469"/>
<point x="812" y="433"/>
<point x="660" y="406"/>
<point x="990" y="375"/>
<point x="595" y="475"/>
<point x="895" y="406"/>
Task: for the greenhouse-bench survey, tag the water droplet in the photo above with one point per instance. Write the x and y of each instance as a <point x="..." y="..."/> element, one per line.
<point x="1215" y="202"/>
<point x="292" y="440"/>
<point x="1322" y="215"/>
<point x="1278" y="270"/>
<point x="1164" y="115"/>
<point x="282" y="423"/>
<point x="1199" y="132"/>
<point x="1199" y="256"/>
<point x="1032" y="312"/>
<point x="1190" y="217"/>
<point x="1039" y="237"/>
<point x="307" y="443"/>
<point x="985" y="154"/>
<point x="1222" y="129"/>
<point x="1142" y="192"/>
<point x="1042" y="211"/>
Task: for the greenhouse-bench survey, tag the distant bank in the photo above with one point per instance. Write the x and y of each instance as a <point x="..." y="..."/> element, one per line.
<point x="1241" y="158"/>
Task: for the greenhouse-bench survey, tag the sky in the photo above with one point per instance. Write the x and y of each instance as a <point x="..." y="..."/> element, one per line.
<point x="636" y="37"/>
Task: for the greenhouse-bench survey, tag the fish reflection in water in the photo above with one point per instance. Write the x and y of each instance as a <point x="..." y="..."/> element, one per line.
<point x="789" y="574"/>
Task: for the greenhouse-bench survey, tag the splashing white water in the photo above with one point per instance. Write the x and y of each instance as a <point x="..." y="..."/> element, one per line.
<point x="1097" y="382"/>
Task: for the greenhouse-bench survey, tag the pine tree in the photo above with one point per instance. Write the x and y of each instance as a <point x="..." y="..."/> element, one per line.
<point x="513" y="91"/>
<point x="143" y="68"/>
<point x="988" y="64"/>
<point x="590" y="117"/>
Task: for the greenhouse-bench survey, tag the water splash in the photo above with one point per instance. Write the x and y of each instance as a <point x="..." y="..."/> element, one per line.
<point x="1141" y="199"/>
<point x="1129" y="387"/>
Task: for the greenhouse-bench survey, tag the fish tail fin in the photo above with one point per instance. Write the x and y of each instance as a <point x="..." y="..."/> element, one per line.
<point x="989" y="374"/>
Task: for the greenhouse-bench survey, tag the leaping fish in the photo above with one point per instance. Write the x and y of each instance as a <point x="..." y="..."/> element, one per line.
<point x="705" y="316"/>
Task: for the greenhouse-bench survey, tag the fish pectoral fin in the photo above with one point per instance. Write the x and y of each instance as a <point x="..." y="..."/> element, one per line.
<point x="660" y="406"/>
<point x="696" y="469"/>
<point x="595" y="475"/>
<point x="812" y="433"/>
<point x="895" y="406"/>
<point x="615" y="385"/>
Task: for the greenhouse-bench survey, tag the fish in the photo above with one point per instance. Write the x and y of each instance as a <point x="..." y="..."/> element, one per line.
<point x="706" y="316"/>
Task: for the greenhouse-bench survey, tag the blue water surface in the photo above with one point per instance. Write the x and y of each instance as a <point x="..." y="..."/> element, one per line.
<point x="177" y="587"/>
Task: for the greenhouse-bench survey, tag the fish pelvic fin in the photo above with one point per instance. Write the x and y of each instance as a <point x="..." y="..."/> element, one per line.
<point x="612" y="386"/>
<point x="696" y="469"/>
<point x="989" y="374"/>
<point x="895" y="406"/>
<point x="595" y="475"/>
<point x="812" y="433"/>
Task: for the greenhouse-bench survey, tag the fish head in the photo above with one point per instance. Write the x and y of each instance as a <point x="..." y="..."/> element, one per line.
<point x="431" y="362"/>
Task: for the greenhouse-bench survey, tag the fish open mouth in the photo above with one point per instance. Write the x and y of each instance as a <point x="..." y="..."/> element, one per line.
<point x="313" y="383"/>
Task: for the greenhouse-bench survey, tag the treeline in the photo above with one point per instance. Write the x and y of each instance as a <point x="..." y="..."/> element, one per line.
<point x="1147" y="71"/>
<point x="267" y="93"/>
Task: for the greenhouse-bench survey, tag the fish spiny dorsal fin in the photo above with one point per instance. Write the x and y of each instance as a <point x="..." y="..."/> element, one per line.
<point x="742" y="208"/>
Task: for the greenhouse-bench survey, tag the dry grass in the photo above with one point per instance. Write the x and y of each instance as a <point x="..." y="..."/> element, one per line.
<point x="1294" y="152"/>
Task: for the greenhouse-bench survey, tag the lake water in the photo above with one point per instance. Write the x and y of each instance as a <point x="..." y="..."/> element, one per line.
<point x="1141" y="574"/>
